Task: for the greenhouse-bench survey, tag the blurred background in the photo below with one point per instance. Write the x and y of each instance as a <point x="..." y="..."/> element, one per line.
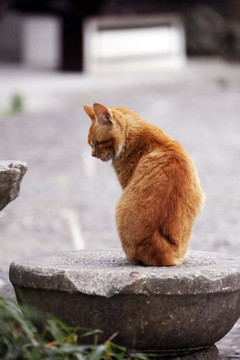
<point x="174" y="62"/>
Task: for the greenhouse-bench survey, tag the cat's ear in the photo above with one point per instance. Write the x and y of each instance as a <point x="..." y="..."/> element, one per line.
<point x="89" y="111"/>
<point x="103" y="115"/>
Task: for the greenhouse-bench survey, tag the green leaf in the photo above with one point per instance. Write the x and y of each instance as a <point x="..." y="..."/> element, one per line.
<point x="98" y="352"/>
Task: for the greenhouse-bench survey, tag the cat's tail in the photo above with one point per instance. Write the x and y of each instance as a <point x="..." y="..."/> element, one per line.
<point x="168" y="251"/>
<point x="160" y="250"/>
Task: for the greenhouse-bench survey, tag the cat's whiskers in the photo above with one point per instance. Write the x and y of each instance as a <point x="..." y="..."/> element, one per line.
<point x="120" y="149"/>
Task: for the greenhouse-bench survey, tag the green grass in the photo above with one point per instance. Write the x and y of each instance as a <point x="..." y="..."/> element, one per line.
<point x="22" y="338"/>
<point x="16" y="106"/>
<point x="223" y="82"/>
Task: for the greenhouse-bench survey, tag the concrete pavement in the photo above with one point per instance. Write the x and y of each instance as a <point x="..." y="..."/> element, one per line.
<point x="67" y="198"/>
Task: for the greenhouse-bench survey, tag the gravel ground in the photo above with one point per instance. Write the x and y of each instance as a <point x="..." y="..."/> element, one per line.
<point x="67" y="198"/>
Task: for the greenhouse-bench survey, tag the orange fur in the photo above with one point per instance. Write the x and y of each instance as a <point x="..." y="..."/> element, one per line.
<point x="161" y="195"/>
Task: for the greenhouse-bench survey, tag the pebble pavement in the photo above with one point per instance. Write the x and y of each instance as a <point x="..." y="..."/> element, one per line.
<point x="67" y="197"/>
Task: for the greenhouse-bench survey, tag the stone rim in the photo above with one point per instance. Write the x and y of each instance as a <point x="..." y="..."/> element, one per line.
<point x="76" y="272"/>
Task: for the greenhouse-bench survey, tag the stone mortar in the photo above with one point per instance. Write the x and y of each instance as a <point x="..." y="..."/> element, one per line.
<point x="171" y="310"/>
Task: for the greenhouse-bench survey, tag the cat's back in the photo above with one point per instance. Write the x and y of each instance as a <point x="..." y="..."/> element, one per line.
<point x="161" y="146"/>
<point x="171" y="157"/>
<point x="149" y="149"/>
<point x="167" y="155"/>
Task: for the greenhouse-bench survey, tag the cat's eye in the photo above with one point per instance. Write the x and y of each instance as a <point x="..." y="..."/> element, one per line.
<point x="96" y="143"/>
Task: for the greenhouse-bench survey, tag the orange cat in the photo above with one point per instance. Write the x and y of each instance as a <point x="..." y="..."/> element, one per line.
<point x="161" y="189"/>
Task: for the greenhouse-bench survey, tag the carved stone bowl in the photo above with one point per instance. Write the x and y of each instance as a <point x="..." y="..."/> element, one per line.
<point x="171" y="310"/>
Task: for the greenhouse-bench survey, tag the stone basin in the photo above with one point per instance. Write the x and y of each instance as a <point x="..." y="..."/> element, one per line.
<point x="171" y="310"/>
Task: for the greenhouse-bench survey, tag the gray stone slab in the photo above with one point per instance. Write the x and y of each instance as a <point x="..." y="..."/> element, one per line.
<point x="11" y="174"/>
<point x="6" y="288"/>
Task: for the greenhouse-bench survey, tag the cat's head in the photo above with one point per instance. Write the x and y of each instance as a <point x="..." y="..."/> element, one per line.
<point x="106" y="135"/>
